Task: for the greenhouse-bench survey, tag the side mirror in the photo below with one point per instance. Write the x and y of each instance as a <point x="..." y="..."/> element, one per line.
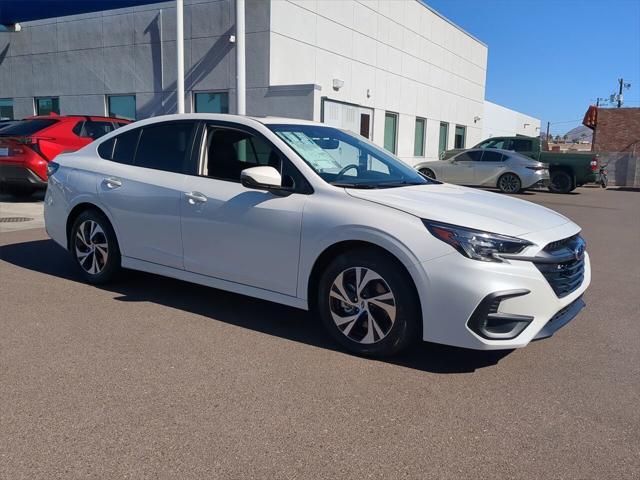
<point x="261" y="178"/>
<point x="452" y="160"/>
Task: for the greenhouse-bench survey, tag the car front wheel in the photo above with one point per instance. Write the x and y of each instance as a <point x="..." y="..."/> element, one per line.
<point x="428" y="172"/>
<point x="368" y="303"/>
<point x="94" y="247"/>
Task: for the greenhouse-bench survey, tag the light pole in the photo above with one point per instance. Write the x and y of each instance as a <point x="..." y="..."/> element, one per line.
<point x="241" y="91"/>
<point x="180" y="53"/>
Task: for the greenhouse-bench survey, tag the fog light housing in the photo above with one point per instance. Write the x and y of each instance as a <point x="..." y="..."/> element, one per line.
<point x="488" y="323"/>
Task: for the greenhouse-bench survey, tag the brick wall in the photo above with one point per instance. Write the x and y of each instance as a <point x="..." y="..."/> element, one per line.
<point x="617" y="130"/>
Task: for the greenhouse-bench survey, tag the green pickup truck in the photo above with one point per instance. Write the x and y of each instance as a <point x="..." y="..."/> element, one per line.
<point x="566" y="170"/>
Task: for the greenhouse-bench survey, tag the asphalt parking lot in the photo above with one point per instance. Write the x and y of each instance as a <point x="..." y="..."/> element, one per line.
<point x="156" y="378"/>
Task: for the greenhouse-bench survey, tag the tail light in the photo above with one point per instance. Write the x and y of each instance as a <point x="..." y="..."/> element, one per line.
<point x="594" y="164"/>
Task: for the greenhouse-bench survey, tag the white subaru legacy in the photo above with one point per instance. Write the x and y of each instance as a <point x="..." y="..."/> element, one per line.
<point x="318" y="218"/>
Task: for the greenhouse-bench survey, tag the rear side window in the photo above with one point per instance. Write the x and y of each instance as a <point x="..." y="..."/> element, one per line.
<point x="92" y="129"/>
<point x="489" y="156"/>
<point x="120" y="148"/>
<point x="27" y="127"/>
<point x="164" y="146"/>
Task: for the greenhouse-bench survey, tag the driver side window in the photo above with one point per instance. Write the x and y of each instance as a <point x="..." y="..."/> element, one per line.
<point x="228" y="151"/>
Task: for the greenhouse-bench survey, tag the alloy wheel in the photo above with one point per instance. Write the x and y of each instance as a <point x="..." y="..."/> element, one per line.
<point x="362" y="305"/>
<point x="92" y="248"/>
<point x="509" y="183"/>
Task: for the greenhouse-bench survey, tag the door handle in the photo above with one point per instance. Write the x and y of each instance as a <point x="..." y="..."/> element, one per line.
<point x="195" y="197"/>
<point x="112" y="182"/>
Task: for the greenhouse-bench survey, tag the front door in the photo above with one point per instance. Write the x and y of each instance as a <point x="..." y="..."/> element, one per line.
<point x="460" y="169"/>
<point x="237" y="234"/>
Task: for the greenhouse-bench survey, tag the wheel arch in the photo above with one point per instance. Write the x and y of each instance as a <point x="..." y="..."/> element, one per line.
<point x="338" y="248"/>
<point x="76" y="211"/>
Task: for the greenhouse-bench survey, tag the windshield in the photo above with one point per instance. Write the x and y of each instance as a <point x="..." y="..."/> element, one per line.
<point x="495" y="143"/>
<point x="26" y="127"/>
<point x="346" y="160"/>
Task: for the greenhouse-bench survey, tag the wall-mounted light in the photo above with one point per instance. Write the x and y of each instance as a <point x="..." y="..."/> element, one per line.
<point x="476" y="119"/>
<point x="368" y="93"/>
<point x="337" y="84"/>
<point x="527" y="125"/>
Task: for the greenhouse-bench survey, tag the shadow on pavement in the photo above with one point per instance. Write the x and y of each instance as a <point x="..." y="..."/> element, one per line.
<point x="45" y="256"/>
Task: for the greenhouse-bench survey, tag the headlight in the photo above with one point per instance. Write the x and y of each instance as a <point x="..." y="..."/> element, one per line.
<point x="476" y="244"/>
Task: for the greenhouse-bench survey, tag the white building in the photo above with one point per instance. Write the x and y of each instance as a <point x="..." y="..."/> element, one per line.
<point x="500" y="121"/>
<point x="393" y="70"/>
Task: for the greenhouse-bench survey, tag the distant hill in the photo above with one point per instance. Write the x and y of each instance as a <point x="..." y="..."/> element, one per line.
<point x="580" y="133"/>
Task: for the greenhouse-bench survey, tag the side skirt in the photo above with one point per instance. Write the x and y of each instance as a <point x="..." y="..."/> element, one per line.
<point x="149" y="267"/>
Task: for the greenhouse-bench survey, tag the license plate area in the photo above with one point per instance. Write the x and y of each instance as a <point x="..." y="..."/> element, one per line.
<point x="4" y="152"/>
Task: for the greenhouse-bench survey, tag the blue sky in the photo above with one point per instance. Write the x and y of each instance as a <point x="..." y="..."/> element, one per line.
<point x="551" y="59"/>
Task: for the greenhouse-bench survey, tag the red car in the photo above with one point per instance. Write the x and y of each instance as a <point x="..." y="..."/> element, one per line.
<point x="27" y="146"/>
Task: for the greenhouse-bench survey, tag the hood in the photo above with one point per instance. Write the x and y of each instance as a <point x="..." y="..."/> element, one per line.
<point x="466" y="207"/>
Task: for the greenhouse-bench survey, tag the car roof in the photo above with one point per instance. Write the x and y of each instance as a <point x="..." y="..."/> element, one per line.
<point x="76" y="117"/>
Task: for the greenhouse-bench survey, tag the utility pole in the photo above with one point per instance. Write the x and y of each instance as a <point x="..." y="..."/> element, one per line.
<point x="548" y="124"/>
<point x="621" y="82"/>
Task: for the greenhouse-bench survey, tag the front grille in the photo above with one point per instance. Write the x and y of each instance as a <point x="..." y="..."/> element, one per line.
<point x="553" y="247"/>
<point x="567" y="275"/>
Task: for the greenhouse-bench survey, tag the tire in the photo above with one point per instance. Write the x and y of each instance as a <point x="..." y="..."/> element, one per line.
<point x="561" y="182"/>
<point x="509" y="183"/>
<point x="380" y="321"/>
<point x="94" y="247"/>
<point x="18" y="191"/>
<point x="428" y="172"/>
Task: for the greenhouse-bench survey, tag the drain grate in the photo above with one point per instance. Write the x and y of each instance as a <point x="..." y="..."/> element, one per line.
<point x="14" y="219"/>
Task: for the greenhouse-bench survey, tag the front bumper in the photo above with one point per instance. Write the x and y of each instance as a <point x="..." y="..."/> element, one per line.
<point x="20" y="175"/>
<point x="456" y="288"/>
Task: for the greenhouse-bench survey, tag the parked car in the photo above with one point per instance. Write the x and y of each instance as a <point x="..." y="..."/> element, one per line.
<point x="508" y="171"/>
<point x="5" y="123"/>
<point x="318" y="218"/>
<point x="27" y="146"/>
<point x="567" y="170"/>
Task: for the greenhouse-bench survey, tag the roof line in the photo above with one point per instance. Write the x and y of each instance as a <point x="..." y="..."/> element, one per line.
<point x="433" y="10"/>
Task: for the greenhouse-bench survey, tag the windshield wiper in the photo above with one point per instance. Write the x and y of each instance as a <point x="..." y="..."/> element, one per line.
<point x="355" y="185"/>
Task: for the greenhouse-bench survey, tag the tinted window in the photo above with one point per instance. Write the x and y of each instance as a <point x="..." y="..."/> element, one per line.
<point x="489" y="156"/>
<point x="92" y="129"/>
<point x="164" y="146"/>
<point x="211" y="102"/>
<point x="6" y="109"/>
<point x="472" y="156"/>
<point x="122" y="106"/>
<point x="120" y="148"/>
<point x="521" y="145"/>
<point x="460" y="136"/>
<point x="47" y="105"/>
<point x="27" y="127"/>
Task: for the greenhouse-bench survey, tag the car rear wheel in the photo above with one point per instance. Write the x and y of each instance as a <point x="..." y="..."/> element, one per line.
<point x="509" y="183"/>
<point x="368" y="303"/>
<point x="561" y="182"/>
<point x="94" y="247"/>
<point x="428" y="172"/>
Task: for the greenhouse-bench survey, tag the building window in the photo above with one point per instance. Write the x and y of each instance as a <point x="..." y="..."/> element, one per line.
<point x="444" y="134"/>
<point x="47" y="105"/>
<point x="6" y="109"/>
<point x="418" y="141"/>
<point x="461" y="137"/>
<point x="211" y="102"/>
<point x="390" y="131"/>
<point x="121" y="106"/>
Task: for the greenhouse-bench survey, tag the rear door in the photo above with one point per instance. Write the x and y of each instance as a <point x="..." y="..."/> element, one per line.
<point x="141" y="186"/>
<point x="489" y="168"/>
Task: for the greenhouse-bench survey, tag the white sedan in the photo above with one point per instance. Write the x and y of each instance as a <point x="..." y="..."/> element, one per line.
<point x="509" y="171"/>
<point x="317" y="218"/>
